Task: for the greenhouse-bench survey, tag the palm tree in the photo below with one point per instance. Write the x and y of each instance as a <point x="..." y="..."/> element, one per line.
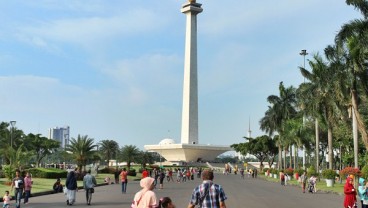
<point x="129" y="153"/>
<point x="109" y="149"/>
<point x="282" y="108"/>
<point x="82" y="149"/>
<point x="353" y="37"/>
<point x="320" y="95"/>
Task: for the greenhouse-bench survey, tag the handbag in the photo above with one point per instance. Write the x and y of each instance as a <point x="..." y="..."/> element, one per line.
<point x="92" y="190"/>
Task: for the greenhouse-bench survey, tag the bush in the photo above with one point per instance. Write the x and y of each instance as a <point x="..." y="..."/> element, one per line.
<point x="265" y="170"/>
<point x="132" y="172"/>
<point x="311" y="171"/>
<point x="365" y="171"/>
<point x="299" y="171"/>
<point x="289" y="171"/>
<point x="47" y="173"/>
<point x="350" y="171"/>
<point x="108" y="170"/>
<point x="329" y="174"/>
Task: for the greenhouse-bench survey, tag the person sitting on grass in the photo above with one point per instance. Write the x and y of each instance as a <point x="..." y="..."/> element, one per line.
<point x="57" y="187"/>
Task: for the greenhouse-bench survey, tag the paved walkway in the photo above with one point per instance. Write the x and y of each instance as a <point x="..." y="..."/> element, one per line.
<point x="241" y="193"/>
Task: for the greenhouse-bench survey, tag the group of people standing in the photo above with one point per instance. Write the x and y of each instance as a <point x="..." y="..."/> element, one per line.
<point x="21" y="186"/>
<point x="89" y="182"/>
<point x="207" y="194"/>
<point x="350" y="200"/>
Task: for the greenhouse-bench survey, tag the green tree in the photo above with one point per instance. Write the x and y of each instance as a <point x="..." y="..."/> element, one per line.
<point x="282" y="108"/>
<point x="144" y="158"/>
<point x="82" y="149"/>
<point x="109" y="149"/>
<point x="262" y="148"/>
<point x="353" y="38"/>
<point x="129" y="153"/>
<point x="324" y="87"/>
<point x="40" y="146"/>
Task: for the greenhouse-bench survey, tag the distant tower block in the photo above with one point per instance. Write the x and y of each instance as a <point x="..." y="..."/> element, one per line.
<point x="189" y="128"/>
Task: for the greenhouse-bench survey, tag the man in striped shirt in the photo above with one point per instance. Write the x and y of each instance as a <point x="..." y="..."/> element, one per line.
<point x="208" y="194"/>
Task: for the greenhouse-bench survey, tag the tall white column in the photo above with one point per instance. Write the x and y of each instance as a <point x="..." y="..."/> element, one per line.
<point x="189" y="128"/>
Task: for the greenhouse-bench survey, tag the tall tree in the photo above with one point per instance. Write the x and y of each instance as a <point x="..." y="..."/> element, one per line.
<point x="282" y="108"/>
<point x="353" y="37"/>
<point x="129" y="153"/>
<point x="322" y="93"/>
<point x="82" y="149"/>
<point x="40" y="146"/>
<point x="109" y="149"/>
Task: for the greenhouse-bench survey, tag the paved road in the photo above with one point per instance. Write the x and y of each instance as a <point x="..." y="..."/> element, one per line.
<point x="241" y="193"/>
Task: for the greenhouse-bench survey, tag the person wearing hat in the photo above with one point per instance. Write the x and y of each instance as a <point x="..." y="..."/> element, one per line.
<point x="145" y="197"/>
<point x="350" y="194"/>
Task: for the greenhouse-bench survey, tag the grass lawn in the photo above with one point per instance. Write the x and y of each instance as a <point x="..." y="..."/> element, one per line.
<point x="321" y="185"/>
<point x="42" y="184"/>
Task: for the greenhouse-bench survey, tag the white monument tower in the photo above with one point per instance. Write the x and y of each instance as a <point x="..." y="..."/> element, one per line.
<point x="189" y="150"/>
<point x="189" y="125"/>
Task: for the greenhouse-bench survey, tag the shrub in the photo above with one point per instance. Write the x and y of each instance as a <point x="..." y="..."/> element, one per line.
<point x="289" y="171"/>
<point x="365" y="171"/>
<point x="329" y="174"/>
<point x="132" y="172"/>
<point x="108" y="170"/>
<point x="265" y="170"/>
<point x="311" y="171"/>
<point x="349" y="171"/>
<point x="47" y="173"/>
<point x="299" y="171"/>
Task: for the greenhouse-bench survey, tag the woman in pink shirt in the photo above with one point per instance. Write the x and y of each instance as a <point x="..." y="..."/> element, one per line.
<point x="145" y="198"/>
<point x="27" y="187"/>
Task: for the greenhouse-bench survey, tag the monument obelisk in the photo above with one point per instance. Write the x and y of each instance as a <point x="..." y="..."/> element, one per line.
<point x="189" y="126"/>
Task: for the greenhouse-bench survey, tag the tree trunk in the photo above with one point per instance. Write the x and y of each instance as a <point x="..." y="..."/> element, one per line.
<point x="330" y="150"/>
<point x="280" y="158"/>
<point x="317" y="145"/>
<point x="361" y="125"/>
<point x="355" y="139"/>
<point x="290" y="156"/>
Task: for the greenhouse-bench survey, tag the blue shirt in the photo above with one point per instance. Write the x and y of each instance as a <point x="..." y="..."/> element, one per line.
<point x="208" y="195"/>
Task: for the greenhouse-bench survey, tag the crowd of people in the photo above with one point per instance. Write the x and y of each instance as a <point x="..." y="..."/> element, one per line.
<point x="206" y="194"/>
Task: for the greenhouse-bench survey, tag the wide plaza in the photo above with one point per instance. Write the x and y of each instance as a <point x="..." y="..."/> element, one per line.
<point x="248" y="192"/>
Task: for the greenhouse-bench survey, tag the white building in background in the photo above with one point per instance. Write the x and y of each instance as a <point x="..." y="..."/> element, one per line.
<point x="61" y="134"/>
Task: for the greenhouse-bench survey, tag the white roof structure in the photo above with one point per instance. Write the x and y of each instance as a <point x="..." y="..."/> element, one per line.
<point x="187" y="152"/>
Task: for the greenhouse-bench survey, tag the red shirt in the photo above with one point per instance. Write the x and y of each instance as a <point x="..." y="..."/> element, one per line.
<point x="123" y="176"/>
<point x="144" y="174"/>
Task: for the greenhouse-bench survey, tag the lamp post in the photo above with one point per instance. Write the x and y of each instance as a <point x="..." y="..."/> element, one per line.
<point x="303" y="53"/>
<point x="12" y="124"/>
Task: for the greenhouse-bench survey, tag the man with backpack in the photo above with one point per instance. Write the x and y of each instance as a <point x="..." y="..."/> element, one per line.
<point x="208" y="194"/>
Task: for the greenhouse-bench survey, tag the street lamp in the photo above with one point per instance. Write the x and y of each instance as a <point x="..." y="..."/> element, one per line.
<point x="303" y="53"/>
<point x="12" y="124"/>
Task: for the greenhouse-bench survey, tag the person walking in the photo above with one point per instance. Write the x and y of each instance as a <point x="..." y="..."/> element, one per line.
<point x="362" y="192"/>
<point x="71" y="185"/>
<point x="18" y="184"/>
<point x="27" y="187"/>
<point x="89" y="182"/>
<point x="145" y="197"/>
<point x="208" y="194"/>
<point x="162" y="177"/>
<point x="116" y="175"/>
<point x="303" y="179"/>
<point x="124" y="180"/>
<point x="350" y="194"/>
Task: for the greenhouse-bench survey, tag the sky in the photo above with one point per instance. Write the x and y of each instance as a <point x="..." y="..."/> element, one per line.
<point x="114" y="69"/>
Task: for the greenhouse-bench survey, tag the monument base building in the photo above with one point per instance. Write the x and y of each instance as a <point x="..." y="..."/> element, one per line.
<point x="178" y="153"/>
